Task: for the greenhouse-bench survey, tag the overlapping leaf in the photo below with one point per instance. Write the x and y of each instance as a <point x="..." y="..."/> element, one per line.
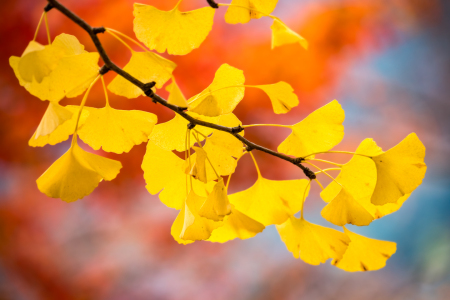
<point x="281" y="95"/>
<point x="242" y="11"/>
<point x="283" y="35"/>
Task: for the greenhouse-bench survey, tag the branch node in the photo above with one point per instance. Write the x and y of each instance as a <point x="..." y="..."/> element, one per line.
<point x="213" y="4"/>
<point x="248" y="148"/>
<point x="48" y="7"/>
<point x="147" y="89"/>
<point x="97" y="30"/>
<point x="237" y="129"/>
<point x="298" y="160"/>
<point x="190" y="126"/>
<point x="181" y="109"/>
<point x="307" y="171"/>
<point x="103" y="70"/>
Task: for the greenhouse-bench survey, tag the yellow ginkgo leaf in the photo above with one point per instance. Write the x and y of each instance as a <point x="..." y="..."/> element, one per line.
<point x="198" y="165"/>
<point x="217" y="205"/>
<point x="57" y="124"/>
<point x="318" y="132"/>
<point x="389" y="208"/>
<point x="71" y="70"/>
<point x="314" y="244"/>
<point x="236" y="225"/>
<point x="178" y="32"/>
<point x="283" y="35"/>
<point x="242" y="11"/>
<point x="146" y="67"/>
<point x="400" y="170"/>
<point x="364" y="254"/>
<point x="222" y="95"/>
<point x="270" y="202"/>
<point x="38" y="64"/>
<point x="176" y="97"/>
<point x="171" y="135"/>
<point x="189" y="226"/>
<point x="281" y="95"/>
<point x="76" y="174"/>
<point x="164" y="170"/>
<point x="116" y="130"/>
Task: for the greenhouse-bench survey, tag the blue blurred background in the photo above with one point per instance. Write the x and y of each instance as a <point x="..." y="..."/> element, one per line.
<point x="387" y="63"/>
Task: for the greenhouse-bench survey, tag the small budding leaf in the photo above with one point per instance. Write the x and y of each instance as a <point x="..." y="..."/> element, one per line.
<point x="312" y="243"/>
<point x="236" y="225"/>
<point x="146" y="67"/>
<point x="164" y="170"/>
<point x="281" y="95"/>
<point x="116" y="130"/>
<point x="171" y="135"/>
<point x="318" y="132"/>
<point x="270" y="202"/>
<point x="242" y="11"/>
<point x="283" y="35"/>
<point x="178" y="32"/>
<point x="222" y="95"/>
<point x="176" y="96"/>
<point x="364" y="254"/>
<point x="64" y="69"/>
<point x="76" y="174"/>
<point x="217" y="205"/>
<point x="57" y="124"/>
<point x="400" y="170"/>
<point x="189" y="226"/>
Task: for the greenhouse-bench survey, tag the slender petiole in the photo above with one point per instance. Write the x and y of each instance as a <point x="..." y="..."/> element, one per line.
<point x="128" y="38"/>
<point x="200" y="144"/>
<point x="120" y="40"/>
<point x="330" y="169"/>
<point x="326" y="161"/>
<point x="304" y="198"/>
<point x="268" y="125"/>
<point x="318" y="182"/>
<point x="256" y="165"/>
<point x="343" y="152"/>
<point x="106" y="92"/>
<point x="48" y="29"/>
<point x="38" y="26"/>
<point x="323" y="171"/>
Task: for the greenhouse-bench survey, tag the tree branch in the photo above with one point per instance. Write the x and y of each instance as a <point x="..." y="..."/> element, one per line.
<point x="146" y="87"/>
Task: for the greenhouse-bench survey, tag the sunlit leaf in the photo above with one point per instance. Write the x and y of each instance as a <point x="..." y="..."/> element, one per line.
<point x="283" y="35"/>
<point x="245" y="10"/>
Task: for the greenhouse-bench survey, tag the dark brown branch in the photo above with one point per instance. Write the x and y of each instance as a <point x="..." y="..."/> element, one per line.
<point x="213" y="4"/>
<point x="146" y="88"/>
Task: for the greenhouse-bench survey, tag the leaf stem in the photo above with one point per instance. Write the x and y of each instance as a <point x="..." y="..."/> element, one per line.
<point x="323" y="171"/>
<point x="326" y="161"/>
<point x="83" y="102"/>
<point x="38" y="26"/>
<point x="330" y="169"/>
<point x="318" y="182"/>
<point x="268" y="125"/>
<point x="106" y="92"/>
<point x="342" y="152"/>
<point x="47" y="29"/>
<point x="256" y="165"/>
<point x="120" y="40"/>
<point x="128" y="38"/>
<point x="200" y="144"/>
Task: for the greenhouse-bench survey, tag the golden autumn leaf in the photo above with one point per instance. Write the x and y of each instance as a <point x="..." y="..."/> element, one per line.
<point x="312" y="243"/>
<point x="146" y="67"/>
<point x="222" y="95"/>
<point x="176" y="97"/>
<point x="242" y="11"/>
<point x="76" y="174"/>
<point x="364" y="254"/>
<point x="175" y="31"/>
<point x="283" y="35"/>
<point x="116" y="130"/>
<point x="217" y="205"/>
<point x="281" y="95"/>
<point x="318" y="132"/>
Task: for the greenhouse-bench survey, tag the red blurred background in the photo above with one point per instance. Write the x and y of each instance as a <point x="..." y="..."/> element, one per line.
<point x="386" y="62"/>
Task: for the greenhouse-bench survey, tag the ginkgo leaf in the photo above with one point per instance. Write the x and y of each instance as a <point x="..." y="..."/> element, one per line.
<point x="76" y="174"/>
<point x="283" y="35"/>
<point x="281" y="95"/>
<point x="400" y="170"/>
<point x="116" y="130"/>
<point x="189" y="226"/>
<point x="242" y="11"/>
<point x="71" y="72"/>
<point x="164" y="170"/>
<point x="222" y="95"/>
<point x="217" y="205"/>
<point x="222" y="148"/>
<point x="178" y="32"/>
<point x="171" y="135"/>
<point x="318" y="132"/>
<point x="146" y="67"/>
<point x="176" y="97"/>
<point x="389" y="208"/>
<point x="345" y="209"/>
<point x="57" y="124"/>
<point x="270" y="202"/>
<point x="364" y="254"/>
<point x="198" y="167"/>
<point x="314" y="244"/>
<point x="236" y="225"/>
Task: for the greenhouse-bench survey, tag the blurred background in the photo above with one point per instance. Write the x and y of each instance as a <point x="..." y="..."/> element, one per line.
<point x="388" y="64"/>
